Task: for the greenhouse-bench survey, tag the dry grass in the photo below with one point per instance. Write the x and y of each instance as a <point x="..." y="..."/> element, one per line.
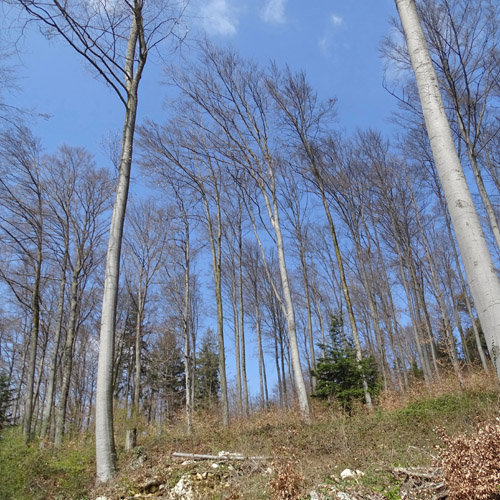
<point x="400" y="432"/>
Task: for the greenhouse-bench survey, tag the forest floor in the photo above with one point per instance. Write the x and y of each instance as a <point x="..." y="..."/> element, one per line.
<point x="395" y="449"/>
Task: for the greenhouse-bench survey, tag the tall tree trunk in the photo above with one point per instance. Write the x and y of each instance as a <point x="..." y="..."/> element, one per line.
<point x="343" y="280"/>
<point x="285" y="302"/>
<point x="481" y="274"/>
<point x="237" y="340"/>
<point x="458" y="267"/>
<point x="51" y="380"/>
<point x="186" y="322"/>
<point x="260" y="353"/>
<point x="422" y="353"/>
<point x="450" y="341"/>
<point x="241" y="306"/>
<point x="215" y="237"/>
<point x="67" y="359"/>
<point x="131" y="435"/>
<point x="244" y="378"/>
<point x="290" y="313"/>
<point x="33" y="344"/>
<point x="105" y="444"/>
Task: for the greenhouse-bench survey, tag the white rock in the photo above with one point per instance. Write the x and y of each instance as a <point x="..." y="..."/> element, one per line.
<point x="344" y="496"/>
<point x="215" y="466"/>
<point x="183" y="490"/>
<point x="101" y="498"/>
<point x="347" y="474"/>
<point x="313" y="495"/>
<point x="359" y="473"/>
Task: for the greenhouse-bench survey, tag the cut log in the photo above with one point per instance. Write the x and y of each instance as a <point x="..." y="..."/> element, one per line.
<point x="220" y="456"/>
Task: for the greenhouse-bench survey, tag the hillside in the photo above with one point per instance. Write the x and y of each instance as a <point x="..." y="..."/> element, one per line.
<point x="394" y="447"/>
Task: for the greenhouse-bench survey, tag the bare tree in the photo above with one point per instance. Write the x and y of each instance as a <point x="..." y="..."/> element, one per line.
<point x="463" y="38"/>
<point x="115" y="39"/>
<point x="183" y="156"/>
<point x="481" y="275"/>
<point x="92" y="194"/>
<point x="22" y="222"/>
<point x="305" y="119"/>
<point x="146" y="242"/>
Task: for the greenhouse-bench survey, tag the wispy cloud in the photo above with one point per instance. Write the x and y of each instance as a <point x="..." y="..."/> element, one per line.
<point x="328" y="40"/>
<point x="324" y="44"/>
<point x="219" y="18"/>
<point x="336" y="20"/>
<point x="274" y="12"/>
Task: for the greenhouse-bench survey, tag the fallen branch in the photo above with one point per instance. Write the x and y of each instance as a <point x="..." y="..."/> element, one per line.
<point x="220" y="456"/>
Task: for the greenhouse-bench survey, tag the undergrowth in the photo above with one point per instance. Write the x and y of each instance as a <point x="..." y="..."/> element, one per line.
<point x="401" y="432"/>
<point x="32" y="473"/>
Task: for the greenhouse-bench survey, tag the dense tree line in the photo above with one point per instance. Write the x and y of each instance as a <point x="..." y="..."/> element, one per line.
<point x="271" y="225"/>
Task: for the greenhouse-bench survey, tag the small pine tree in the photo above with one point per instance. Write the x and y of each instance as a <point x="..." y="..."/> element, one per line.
<point x="207" y="372"/>
<point x="339" y="375"/>
<point x="164" y="368"/>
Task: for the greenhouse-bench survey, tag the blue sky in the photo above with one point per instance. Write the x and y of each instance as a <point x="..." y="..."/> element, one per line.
<point x="335" y="41"/>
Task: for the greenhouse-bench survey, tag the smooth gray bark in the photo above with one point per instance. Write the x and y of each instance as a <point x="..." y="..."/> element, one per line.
<point x="105" y="444"/>
<point x="480" y="272"/>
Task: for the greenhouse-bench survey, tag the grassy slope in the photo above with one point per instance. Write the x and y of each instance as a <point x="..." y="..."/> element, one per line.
<point x="399" y="433"/>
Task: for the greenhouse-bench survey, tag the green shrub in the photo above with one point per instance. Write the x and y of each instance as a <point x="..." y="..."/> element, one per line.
<point x="31" y="473"/>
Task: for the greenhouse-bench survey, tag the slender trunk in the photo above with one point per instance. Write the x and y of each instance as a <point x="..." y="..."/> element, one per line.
<point x="244" y="379"/>
<point x="450" y="341"/>
<point x="286" y="302"/>
<point x="278" y="373"/>
<point x="137" y="354"/>
<point x="385" y="294"/>
<point x="186" y="324"/>
<point x="236" y="323"/>
<point x="215" y="237"/>
<point x="67" y="359"/>
<point x="320" y="320"/>
<point x="260" y="355"/>
<point x="33" y="345"/>
<point x="380" y="354"/>
<point x="422" y="354"/>
<point x="131" y="435"/>
<point x="38" y="407"/>
<point x="479" y="268"/>
<point x="290" y="318"/>
<point x="51" y="381"/>
<point x="105" y="444"/>
<point x="343" y="282"/>
<point x="307" y="294"/>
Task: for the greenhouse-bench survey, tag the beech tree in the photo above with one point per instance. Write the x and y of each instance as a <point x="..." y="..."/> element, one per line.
<point x="115" y="39"/>
<point x="481" y="274"/>
<point x="22" y="207"/>
<point x="90" y="190"/>
<point x="184" y="156"/>
<point x="146" y="243"/>
<point x="463" y="38"/>
<point x="244" y="118"/>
